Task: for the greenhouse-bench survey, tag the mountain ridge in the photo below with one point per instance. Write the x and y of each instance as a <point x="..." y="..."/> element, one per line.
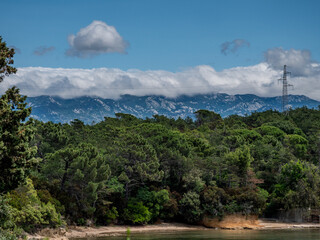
<point x="94" y="109"/>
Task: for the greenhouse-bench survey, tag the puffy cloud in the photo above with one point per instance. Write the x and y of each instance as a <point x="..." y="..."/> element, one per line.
<point x="233" y="46"/>
<point x="95" y="39"/>
<point x="42" y="50"/>
<point x="299" y="62"/>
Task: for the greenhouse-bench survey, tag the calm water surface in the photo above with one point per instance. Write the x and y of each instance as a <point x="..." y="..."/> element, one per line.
<point x="292" y="234"/>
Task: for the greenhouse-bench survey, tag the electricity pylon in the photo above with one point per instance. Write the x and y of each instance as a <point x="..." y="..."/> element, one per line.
<point x="285" y="86"/>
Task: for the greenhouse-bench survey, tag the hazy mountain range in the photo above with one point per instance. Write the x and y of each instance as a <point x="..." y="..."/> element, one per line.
<point x="94" y="109"/>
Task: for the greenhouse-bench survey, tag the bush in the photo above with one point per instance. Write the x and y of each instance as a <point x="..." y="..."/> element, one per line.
<point x="170" y="208"/>
<point x="154" y="200"/>
<point x="106" y="214"/>
<point x="45" y="197"/>
<point x="8" y="228"/>
<point x="136" y="212"/>
<point x="7" y="235"/>
<point x="29" y="212"/>
<point x="6" y="218"/>
<point x="190" y="207"/>
<point x="213" y="201"/>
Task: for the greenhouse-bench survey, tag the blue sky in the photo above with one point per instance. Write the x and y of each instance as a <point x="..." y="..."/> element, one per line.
<point x="171" y="36"/>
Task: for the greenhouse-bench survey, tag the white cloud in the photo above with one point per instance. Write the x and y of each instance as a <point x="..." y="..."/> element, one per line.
<point x="298" y="61"/>
<point x="96" y="38"/>
<point x="260" y="79"/>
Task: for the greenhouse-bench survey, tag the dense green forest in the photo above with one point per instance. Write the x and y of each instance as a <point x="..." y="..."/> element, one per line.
<point x="137" y="171"/>
<point x="126" y="170"/>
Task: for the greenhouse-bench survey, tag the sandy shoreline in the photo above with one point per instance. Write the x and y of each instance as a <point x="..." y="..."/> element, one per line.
<point x="279" y="225"/>
<point x="83" y="232"/>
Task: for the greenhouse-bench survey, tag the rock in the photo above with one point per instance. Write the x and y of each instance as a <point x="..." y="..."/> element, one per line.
<point x="89" y="223"/>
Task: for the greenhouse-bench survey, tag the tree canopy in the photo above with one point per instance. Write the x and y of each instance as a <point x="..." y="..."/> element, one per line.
<point x="6" y="60"/>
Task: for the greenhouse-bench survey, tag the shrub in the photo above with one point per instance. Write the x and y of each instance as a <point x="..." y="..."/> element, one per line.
<point x="8" y="228"/>
<point x="154" y="200"/>
<point x="136" y="212"/>
<point x="190" y="207"/>
<point x="29" y="212"/>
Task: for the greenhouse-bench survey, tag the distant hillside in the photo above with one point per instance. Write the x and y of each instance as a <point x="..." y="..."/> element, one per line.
<point x="89" y="109"/>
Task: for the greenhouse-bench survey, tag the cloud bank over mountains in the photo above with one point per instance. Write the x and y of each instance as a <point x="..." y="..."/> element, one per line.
<point x="260" y="79"/>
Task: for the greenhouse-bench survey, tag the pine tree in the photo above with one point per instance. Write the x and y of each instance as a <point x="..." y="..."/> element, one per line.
<point x="6" y="55"/>
<point x="16" y="156"/>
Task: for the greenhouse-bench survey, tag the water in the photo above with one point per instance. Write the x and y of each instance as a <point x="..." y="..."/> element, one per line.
<point x="291" y="234"/>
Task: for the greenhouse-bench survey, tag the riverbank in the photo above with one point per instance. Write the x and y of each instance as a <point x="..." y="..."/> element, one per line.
<point x="82" y="232"/>
<point x="85" y="232"/>
<point x="280" y="225"/>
